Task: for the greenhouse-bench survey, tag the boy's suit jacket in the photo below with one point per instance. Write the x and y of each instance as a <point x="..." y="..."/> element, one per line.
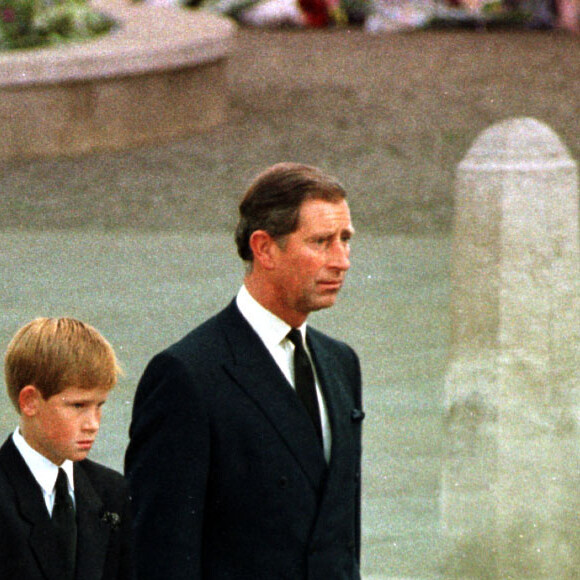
<point x="227" y="475"/>
<point x="26" y="538"/>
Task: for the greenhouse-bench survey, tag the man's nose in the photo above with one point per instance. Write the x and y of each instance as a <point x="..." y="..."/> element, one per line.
<point x="340" y="256"/>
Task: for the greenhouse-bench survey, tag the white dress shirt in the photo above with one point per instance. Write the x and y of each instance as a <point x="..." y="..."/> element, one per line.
<point x="44" y="471"/>
<point x="272" y="331"/>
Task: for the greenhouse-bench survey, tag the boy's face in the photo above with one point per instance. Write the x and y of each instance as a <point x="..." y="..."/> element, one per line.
<point x="65" y="425"/>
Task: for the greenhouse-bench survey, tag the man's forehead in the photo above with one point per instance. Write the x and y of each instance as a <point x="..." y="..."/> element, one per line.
<point x="325" y="216"/>
<point x="321" y="208"/>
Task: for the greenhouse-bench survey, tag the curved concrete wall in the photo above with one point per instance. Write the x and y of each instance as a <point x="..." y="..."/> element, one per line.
<point x="160" y="75"/>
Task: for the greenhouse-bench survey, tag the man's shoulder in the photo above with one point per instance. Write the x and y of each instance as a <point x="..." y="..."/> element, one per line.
<point x="322" y="339"/>
<point x="204" y="339"/>
<point x="333" y="353"/>
<point x="210" y="326"/>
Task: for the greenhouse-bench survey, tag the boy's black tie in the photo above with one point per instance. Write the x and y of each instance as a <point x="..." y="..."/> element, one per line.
<point x="64" y="522"/>
<point x="304" y="380"/>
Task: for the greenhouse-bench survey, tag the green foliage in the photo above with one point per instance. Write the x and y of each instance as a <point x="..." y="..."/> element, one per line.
<point x="37" y="23"/>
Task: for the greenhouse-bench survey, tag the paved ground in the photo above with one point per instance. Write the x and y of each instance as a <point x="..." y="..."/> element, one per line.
<point x="139" y="243"/>
<point x="390" y="115"/>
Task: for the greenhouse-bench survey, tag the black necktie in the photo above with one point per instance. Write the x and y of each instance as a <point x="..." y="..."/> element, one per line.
<point x="304" y="380"/>
<point x="65" y="525"/>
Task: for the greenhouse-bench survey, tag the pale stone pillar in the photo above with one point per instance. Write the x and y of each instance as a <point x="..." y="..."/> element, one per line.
<point x="510" y="497"/>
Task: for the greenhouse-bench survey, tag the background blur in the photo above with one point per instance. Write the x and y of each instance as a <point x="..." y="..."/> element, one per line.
<point x="139" y="243"/>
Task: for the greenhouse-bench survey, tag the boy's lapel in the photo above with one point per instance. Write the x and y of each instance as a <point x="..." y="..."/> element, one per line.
<point x="33" y="510"/>
<point x="93" y="529"/>
<point x="93" y="524"/>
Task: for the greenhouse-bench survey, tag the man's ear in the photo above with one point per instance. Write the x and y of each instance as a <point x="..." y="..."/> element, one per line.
<point x="263" y="244"/>
<point x="28" y="400"/>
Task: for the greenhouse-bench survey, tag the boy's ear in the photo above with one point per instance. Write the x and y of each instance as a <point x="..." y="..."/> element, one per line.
<point x="28" y="400"/>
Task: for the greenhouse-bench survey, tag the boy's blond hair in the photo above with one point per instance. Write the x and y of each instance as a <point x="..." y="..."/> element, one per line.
<point x="55" y="353"/>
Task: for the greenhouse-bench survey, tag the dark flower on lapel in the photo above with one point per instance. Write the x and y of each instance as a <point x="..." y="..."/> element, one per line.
<point x="112" y="519"/>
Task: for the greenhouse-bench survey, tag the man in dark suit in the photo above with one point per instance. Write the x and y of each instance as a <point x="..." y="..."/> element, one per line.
<point x="62" y="516"/>
<point x="245" y="450"/>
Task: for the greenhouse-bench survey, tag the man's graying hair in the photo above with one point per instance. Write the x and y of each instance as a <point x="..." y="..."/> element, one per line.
<point x="272" y="202"/>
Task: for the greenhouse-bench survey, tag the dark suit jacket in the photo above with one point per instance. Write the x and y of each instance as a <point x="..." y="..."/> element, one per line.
<point x="26" y="540"/>
<point x="227" y="476"/>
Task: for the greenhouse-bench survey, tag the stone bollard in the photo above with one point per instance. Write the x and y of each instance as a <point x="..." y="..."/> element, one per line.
<point x="510" y="499"/>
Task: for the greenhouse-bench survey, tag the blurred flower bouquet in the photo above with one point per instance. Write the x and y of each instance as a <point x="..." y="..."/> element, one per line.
<point x="309" y="13"/>
<point x="37" y="23"/>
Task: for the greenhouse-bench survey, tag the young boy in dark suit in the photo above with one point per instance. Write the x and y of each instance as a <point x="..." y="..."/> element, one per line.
<point x="62" y="516"/>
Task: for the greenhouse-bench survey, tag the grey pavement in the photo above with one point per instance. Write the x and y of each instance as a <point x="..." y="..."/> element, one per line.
<point x="144" y="291"/>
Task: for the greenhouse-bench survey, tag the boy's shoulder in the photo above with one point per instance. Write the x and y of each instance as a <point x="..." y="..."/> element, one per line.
<point x="101" y="476"/>
<point x="12" y="465"/>
<point x="98" y="486"/>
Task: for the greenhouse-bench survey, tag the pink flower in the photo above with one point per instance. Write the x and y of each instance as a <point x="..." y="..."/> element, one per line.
<point x="8" y="15"/>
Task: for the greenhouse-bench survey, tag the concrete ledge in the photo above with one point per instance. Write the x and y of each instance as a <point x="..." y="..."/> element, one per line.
<point x="161" y="74"/>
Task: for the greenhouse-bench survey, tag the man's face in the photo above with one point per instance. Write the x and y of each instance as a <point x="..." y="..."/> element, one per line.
<point x="311" y="263"/>
<point x="65" y="425"/>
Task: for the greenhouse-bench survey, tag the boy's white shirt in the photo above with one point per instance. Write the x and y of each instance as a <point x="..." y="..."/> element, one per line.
<point x="44" y="471"/>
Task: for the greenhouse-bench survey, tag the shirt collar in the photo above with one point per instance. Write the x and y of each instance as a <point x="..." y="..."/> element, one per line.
<point x="44" y="471"/>
<point x="271" y="329"/>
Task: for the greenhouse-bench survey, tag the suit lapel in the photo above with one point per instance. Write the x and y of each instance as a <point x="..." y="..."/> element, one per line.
<point x="257" y="374"/>
<point x="336" y="396"/>
<point x="93" y="532"/>
<point x="339" y="402"/>
<point x="33" y="510"/>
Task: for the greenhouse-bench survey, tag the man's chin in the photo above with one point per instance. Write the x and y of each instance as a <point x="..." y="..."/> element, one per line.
<point x="324" y="302"/>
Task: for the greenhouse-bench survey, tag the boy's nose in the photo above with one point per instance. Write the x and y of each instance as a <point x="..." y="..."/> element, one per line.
<point x="93" y="421"/>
